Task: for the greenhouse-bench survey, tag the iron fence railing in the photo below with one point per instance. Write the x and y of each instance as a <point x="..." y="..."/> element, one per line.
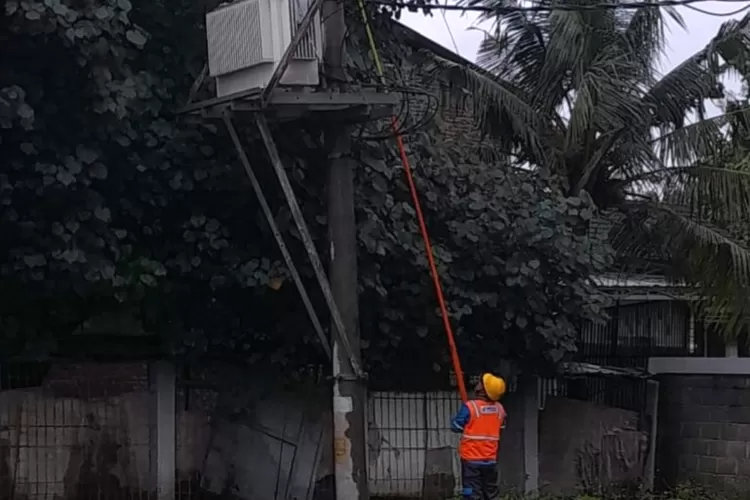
<point x="74" y="430"/>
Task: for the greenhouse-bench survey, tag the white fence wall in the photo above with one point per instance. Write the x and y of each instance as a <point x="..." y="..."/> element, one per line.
<point x="410" y="441"/>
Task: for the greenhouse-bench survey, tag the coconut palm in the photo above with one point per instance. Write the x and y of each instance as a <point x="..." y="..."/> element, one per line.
<point x="575" y="91"/>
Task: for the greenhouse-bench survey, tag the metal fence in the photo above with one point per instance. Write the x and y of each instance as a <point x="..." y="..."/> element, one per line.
<point x="637" y="332"/>
<point x="618" y="392"/>
<point x="411" y="446"/>
<point x="633" y="334"/>
<point x="74" y="431"/>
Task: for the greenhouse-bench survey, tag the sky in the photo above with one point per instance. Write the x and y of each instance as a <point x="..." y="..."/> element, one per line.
<point x="683" y="43"/>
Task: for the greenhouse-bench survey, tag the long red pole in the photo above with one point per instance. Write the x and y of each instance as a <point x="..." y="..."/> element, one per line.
<point x="431" y="261"/>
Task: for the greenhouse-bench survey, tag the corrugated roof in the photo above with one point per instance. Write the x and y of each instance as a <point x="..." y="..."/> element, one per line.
<point x="632" y="281"/>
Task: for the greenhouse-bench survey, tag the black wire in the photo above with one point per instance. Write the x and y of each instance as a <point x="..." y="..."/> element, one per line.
<point x="719" y="14"/>
<point x="543" y="8"/>
<point x="426" y="118"/>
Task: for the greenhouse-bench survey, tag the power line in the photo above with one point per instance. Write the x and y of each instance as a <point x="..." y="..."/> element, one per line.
<point x="450" y="32"/>
<point x="719" y="14"/>
<point x="550" y="8"/>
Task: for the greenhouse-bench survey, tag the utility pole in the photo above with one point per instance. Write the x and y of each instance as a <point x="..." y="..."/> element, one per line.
<point x="349" y="392"/>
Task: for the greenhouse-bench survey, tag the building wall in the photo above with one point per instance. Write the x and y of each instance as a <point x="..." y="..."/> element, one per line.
<point x="704" y="430"/>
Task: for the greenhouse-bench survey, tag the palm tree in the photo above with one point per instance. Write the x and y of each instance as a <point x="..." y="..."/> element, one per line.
<point x="575" y="91"/>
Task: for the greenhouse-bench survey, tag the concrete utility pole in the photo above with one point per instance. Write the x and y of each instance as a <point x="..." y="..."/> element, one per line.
<point x="349" y="393"/>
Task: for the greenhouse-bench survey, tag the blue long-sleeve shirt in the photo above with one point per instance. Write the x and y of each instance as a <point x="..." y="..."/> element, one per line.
<point x="457" y="425"/>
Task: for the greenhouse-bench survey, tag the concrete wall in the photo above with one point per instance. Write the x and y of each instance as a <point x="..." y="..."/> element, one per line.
<point x="704" y="430"/>
<point x="583" y="445"/>
<point x="90" y="430"/>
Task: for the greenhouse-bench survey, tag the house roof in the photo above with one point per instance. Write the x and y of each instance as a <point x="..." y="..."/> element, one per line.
<point x="419" y="41"/>
<point x="632" y="288"/>
<point x="613" y="280"/>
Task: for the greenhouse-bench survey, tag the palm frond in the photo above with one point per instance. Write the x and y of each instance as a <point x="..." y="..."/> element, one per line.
<point x="645" y="39"/>
<point x="516" y="52"/>
<point x="690" y="144"/>
<point x="691" y="83"/>
<point x="699" y="255"/>
<point x="496" y="104"/>
<point x="720" y="195"/>
<point x="733" y="44"/>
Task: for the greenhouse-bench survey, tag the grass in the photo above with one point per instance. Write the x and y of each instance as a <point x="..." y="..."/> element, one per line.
<point x="683" y="492"/>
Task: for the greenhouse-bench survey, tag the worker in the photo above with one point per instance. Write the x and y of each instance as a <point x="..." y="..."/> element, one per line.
<point x="480" y="422"/>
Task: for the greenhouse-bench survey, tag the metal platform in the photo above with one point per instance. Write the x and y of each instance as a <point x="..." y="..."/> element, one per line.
<point x="294" y="104"/>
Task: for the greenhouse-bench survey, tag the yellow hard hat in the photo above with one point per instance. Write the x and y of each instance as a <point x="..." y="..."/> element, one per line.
<point x="493" y="386"/>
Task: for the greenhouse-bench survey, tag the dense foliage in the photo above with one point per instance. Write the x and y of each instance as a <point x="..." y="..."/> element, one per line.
<point x="514" y="266"/>
<point x="119" y="216"/>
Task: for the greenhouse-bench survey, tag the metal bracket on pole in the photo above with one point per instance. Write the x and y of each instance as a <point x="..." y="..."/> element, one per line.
<point x="277" y="235"/>
<point x="197" y="84"/>
<point x="287" y="56"/>
<point x="340" y="332"/>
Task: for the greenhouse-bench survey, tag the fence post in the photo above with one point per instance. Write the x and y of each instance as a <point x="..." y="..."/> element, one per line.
<point x="163" y="440"/>
<point x="652" y="413"/>
<point x="530" y="394"/>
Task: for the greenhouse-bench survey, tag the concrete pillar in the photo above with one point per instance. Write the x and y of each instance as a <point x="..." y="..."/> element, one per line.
<point x="163" y="442"/>
<point x="730" y="350"/>
<point x="652" y="413"/>
<point x="530" y="392"/>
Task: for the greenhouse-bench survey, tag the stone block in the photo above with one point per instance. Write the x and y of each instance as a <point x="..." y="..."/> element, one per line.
<point x="692" y="446"/>
<point x="710" y="430"/>
<point x="712" y="397"/>
<point x="690" y="430"/>
<point x="730" y="432"/>
<point x="707" y="381"/>
<point x="736" y="449"/>
<point x="720" y="414"/>
<point x="707" y="465"/>
<point x="735" y="432"/>
<point x="689" y="463"/>
<point x="743" y="432"/>
<point x="743" y="469"/>
<point x="734" y="381"/>
<point x="699" y="412"/>
<point x="726" y="465"/>
<point x="739" y="415"/>
<point x="717" y="448"/>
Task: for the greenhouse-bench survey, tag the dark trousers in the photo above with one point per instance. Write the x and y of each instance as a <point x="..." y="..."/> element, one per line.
<point x="479" y="481"/>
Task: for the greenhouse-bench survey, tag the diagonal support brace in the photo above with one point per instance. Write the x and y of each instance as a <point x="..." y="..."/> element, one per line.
<point x="340" y="332"/>
<point x="277" y="235"/>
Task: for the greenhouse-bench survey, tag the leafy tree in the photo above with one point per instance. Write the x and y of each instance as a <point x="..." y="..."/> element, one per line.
<point x="112" y="207"/>
<point x="514" y="267"/>
<point x="576" y="94"/>
<point x="116" y="208"/>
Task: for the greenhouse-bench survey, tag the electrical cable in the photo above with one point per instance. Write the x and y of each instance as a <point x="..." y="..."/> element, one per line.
<point x="427" y="117"/>
<point x="420" y="216"/>
<point x="450" y="32"/>
<point x="719" y="14"/>
<point x="550" y="8"/>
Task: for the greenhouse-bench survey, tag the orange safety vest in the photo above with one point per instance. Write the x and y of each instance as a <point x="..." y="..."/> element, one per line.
<point x="481" y="437"/>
